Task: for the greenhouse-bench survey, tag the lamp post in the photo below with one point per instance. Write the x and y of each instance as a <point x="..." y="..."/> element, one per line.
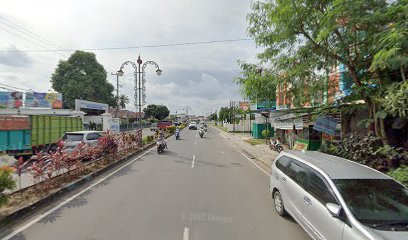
<point x="140" y="83"/>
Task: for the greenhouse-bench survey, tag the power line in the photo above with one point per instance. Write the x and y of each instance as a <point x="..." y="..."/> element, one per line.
<point x="136" y="47"/>
<point x="28" y="40"/>
<point x="25" y="31"/>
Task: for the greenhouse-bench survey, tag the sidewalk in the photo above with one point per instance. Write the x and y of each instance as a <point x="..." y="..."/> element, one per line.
<point x="260" y="152"/>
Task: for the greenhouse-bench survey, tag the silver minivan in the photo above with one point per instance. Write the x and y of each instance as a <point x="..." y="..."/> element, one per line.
<point x="337" y="199"/>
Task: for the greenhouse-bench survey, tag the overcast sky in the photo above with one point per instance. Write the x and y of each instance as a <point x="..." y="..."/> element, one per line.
<point x="198" y="76"/>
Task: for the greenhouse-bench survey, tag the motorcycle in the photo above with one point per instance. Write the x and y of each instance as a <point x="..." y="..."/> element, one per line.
<point x="201" y="133"/>
<point x="275" y="145"/>
<point x="161" y="145"/>
<point x="177" y="135"/>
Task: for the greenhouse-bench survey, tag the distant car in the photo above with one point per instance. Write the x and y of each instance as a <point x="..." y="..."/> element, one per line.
<point x="72" y="139"/>
<point x="192" y="126"/>
<point x="154" y="127"/>
<point x="337" y="199"/>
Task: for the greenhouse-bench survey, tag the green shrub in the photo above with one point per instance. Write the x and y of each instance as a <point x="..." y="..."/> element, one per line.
<point x="149" y="138"/>
<point x="170" y="129"/>
<point x="182" y="126"/>
<point x="266" y="133"/>
<point x="6" y="182"/>
<point x="368" y="150"/>
<point x="400" y="174"/>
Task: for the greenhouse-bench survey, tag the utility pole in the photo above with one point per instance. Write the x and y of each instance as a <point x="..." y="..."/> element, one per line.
<point x="117" y="92"/>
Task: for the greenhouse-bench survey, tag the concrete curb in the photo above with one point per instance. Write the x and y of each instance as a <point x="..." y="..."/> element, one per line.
<point x="70" y="187"/>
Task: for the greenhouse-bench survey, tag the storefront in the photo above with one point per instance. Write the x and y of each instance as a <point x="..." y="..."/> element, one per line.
<point x="298" y="128"/>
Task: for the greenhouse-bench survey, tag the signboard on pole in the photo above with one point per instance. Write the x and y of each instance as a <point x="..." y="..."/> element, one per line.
<point x="326" y="124"/>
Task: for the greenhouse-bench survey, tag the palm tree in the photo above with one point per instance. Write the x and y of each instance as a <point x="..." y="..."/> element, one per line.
<point x="123" y="100"/>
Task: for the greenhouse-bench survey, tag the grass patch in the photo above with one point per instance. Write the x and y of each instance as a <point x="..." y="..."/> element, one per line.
<point x="222" y="128"/>
<point x="255" y="141"/>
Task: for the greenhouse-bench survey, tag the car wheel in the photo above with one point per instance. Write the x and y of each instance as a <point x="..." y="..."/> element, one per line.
<point x="279" y="207"/>
<point x="279" y="149"/>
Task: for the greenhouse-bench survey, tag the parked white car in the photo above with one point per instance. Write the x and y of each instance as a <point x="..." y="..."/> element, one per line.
<point x="73" y="139"/>
<point x="337" y="199"/>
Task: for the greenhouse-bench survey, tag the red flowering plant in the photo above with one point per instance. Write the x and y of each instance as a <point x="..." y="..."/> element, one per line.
<point x="108" y="143"/>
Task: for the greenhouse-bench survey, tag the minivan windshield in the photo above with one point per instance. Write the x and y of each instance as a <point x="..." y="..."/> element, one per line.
<point x="375" y="202"/>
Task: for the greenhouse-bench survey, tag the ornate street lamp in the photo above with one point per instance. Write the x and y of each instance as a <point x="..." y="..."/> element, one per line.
<point x="140" y="83"/>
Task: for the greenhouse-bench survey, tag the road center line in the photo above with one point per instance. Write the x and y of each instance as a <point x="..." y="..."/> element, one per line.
<point x="186" y="233"/>
<point x="195" y="142"/>
<point x="35" y="220"/>
<point x="192" y="163"/>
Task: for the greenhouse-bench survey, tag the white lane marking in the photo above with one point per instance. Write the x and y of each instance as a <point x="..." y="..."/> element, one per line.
<point x="196" y="135"/>
<point x="186" y="233"/>
<point x="35" y="220"/>
<point x="195" y="142"/>
<point x="267" y="174"/>
<point x="192" y="163"/>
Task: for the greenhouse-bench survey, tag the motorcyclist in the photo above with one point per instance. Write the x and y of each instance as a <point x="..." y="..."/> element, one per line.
<point x="160" y="138"/>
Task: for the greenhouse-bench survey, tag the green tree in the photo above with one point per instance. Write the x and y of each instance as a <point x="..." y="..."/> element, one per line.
<point x="213" y="117"/>
<point x="303" y="39"/>
<point x="157" y="111"/>
<point x="82" y="77"/>
<point x="224" y="114"/>
<point x="257" y="84"/>
<point x="123" y="100"/>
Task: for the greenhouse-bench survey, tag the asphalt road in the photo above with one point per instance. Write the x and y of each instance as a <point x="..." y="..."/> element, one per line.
<point x="197" y="189"/>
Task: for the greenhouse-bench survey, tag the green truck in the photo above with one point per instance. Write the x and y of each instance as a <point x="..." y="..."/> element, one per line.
<point x="25" y="135"/>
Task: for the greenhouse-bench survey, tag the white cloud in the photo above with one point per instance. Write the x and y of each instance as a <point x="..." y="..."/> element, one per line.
<point x="199" y="76"/>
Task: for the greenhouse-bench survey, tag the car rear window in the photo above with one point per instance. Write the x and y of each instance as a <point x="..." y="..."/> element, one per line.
<point x="282" y="163"/>
<point x="73" y="137"/>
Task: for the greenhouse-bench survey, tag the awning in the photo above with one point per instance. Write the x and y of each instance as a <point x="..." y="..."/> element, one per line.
<point x="288" y="121"/>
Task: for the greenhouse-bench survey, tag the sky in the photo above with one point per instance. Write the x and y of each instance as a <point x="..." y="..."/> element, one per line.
<point x="196" y="76"/>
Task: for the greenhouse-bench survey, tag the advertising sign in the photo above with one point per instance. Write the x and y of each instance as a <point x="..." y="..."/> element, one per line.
<point x="115" y="125"/>
<point x="300" y="146"/>
<point x="83" y="104"/>
<point x="264" y="105"/>
<point x="43" y="100"/>
<point x="326" y="124"/>
<point x="11" y="99"/>
<point x="244" y="106"/>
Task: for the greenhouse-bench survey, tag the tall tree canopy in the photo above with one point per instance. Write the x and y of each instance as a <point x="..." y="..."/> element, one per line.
<point x="256" y="83"/>
<point x="157" y="111"/>
<point x="82" y="77"/>
<point x="303" y="39"/>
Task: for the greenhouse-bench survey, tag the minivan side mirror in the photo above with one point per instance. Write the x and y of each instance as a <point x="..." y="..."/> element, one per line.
<point x="333" y="209"/>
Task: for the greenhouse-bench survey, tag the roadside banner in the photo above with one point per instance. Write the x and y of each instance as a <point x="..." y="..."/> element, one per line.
<point x="245" y="106"/>
<point x="115" y="125"/>
<point x="11" y="99"/>
<point x="43" y="100"/>
<point x="326" y="124"/>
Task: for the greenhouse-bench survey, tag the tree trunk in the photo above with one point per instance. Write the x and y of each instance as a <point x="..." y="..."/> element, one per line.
<point x="384" y="136"/>
<point x="402" y="70"/>
<point x="376" y="129"/>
